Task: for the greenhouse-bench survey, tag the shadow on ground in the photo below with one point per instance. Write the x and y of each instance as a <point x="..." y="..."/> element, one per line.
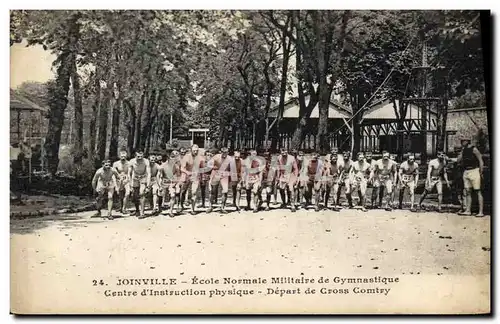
<point x="31" y="225"/>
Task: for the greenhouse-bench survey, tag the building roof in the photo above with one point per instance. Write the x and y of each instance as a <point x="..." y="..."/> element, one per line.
<point x="378" y="111"/>
<point x="19" y="102"/>
<point x="384" y="110"/>
<point x="292" y="107"/>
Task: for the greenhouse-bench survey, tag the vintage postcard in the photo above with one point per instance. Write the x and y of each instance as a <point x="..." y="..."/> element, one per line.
<point x="250" y="162"/>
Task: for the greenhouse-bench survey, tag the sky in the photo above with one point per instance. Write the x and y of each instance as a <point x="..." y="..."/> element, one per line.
<point x="29" y="64"/>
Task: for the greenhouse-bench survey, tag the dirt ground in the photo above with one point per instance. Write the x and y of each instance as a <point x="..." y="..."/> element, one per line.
<point x="33" y="203"/>
<point x="442" y="260"/>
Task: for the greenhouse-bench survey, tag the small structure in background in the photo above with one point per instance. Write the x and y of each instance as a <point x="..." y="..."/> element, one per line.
<point x="338" y="114"/>
<point x="27" y="127"/>
<point x="199" y="136"/>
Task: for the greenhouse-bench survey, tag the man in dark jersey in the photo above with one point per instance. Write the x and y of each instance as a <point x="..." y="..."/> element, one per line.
<point x="473" y="166"/>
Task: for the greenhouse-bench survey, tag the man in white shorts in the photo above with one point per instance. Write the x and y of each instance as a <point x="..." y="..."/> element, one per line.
<point x="169" y="176"/>
<point x="473" y="166"/>
<point x="395" y="183"/>
<point x="384" y="174"/>
<point x="123" y="188"/>
<point x="345" y="160"/>
<point x="191" y="176"/>
<point x="154" y="187"/>
<point x="299" y="160"/>
<point x="104" y="184"/>
<point x="254" y="172"/>
<point x="408" y="178"/>
<point x="436" y="173"/>
<point x="160" y="159"/>
<point x="220" y="164"/>
<point x="140" y="175"/>
<point x="374" y="193"/>
<point x="358" y="179"/>
<point x="204" y="176"/>
<point x="311" y="179"/>
<point x="236" y="183"/>
<point x="332" y="171"/>
<point x="287" y="176"/>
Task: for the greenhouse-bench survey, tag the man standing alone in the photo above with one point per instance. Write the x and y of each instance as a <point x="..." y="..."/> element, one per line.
<point x="473" y="166"/>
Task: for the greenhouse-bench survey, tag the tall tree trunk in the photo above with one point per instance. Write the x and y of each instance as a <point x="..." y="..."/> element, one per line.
<point x="155" y="124"/>
<point x="359" y="101"/>
<point x="93" y="119"/>
<point x="147" y="118"/>
<point x="75" y="79"/>
<point x="58" y="96"/>
<point x="356" y="134"/>
<point x="442" y="109"/>
<point x="103" y="125"/>
<point x="323" y="106"/>
<point x="138" y="122"/>
<point x="304" y="110"/>
<point x="401" y="109"/>
<point x="147" y="145"/>
<point x="166" y="129"/>
<point x="322" y="70"/>
<point x="222" y="135"/>
<point x="115" y="123"/>
<point x="58" y="100"/>
<point x="151" y="113"/>
<point x="130" y="111"/>
<point x="324" y="49"/>
<point x="286" y="45"/>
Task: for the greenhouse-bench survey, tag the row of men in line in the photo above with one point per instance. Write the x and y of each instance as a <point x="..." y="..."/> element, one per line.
<point x="299" y="179"/>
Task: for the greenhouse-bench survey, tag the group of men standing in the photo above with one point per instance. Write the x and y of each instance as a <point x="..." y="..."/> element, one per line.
<point x="300" y="180"/>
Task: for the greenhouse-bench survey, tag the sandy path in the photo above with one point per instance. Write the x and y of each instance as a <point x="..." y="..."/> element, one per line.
<point x="442" y="261"/>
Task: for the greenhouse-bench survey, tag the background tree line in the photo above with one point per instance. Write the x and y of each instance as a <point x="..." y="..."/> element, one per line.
<point x="129" y="73"/>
